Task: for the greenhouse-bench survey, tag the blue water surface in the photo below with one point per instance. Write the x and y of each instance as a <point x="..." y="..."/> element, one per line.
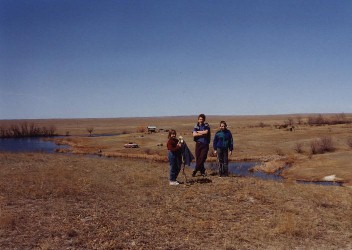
<point x="28" y="144"/>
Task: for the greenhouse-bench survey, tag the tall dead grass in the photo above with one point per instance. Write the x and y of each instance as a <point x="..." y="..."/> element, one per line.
<point x="26" y="130"/>
<point x="298" y="147"/>
<point x="349" y="142"/>
<point x="320" y="120"/>
<point x="322" y="145"/>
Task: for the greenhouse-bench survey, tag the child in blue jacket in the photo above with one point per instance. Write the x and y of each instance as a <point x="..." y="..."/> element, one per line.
<point x="222" y="144"/>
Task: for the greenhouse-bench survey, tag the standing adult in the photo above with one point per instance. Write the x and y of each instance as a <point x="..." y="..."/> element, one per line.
<point x="223" y="143"/>
<point x="201" y="135"/>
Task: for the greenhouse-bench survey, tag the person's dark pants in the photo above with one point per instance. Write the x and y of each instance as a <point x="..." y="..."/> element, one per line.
<point x="201" y="155"/>
<point x="175" y="161"/>
<point x="223" y="157"/>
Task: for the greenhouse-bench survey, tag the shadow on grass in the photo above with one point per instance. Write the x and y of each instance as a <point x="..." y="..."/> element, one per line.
<point x="200" y="181"/>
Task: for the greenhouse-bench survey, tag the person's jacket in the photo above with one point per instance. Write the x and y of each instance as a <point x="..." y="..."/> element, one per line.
<point x="172" y="145"/>
<point x="204" y="138"/>
<point x="187" y="156"/>
<point x="223" y="140"/>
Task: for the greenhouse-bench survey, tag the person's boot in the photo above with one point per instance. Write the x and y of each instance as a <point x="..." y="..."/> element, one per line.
<point x="194" y="173"/>
<point x="226" y="170"/>
<point x="221" y="170"/>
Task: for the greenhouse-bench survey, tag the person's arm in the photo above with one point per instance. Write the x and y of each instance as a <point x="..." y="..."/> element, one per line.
<point x="215" y="141"/>
<point x="200" y="133"/>
<point x="231" y="143"/>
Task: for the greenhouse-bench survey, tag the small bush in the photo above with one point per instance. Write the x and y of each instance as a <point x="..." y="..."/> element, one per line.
<point x="326" y="144"/>
<point x="141" y="130"/>
<point x="317" y="120"/>
<point x="322" y="145"/>
<point x="90" y="130"/>
<point x="261" y="124"/>
<point x="148" y="151"/>
<point x="299" y="148"/>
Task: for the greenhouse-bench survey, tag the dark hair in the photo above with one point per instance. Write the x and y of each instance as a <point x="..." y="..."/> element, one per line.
<point x="171" y="131"/>
<point x="223" y="122"/>
<point x="202" y="115"/>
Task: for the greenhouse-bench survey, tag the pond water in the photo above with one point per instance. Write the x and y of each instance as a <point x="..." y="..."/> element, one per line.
<point x="243" y="169"/>
<point x="28" y="144"/>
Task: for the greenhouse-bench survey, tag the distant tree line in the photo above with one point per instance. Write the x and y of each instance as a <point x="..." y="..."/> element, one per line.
<point x="26" y="130"/>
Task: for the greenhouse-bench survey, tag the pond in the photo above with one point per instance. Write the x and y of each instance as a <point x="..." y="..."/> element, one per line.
<point x="243" y="169"/>
<point x="29" y="144"/>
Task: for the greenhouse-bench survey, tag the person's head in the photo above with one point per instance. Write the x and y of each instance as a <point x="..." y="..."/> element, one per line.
<point x="172" y="133"/>
<point x="223" y="125"/>
<point x="201" y="118"/>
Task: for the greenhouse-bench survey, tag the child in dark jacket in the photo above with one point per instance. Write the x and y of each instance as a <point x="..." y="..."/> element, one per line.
<point x="174" y="156"/>
<point x="222" y="144"/>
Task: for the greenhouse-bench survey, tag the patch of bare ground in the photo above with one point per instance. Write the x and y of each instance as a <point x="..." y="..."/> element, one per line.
<point x="52" y="201"/>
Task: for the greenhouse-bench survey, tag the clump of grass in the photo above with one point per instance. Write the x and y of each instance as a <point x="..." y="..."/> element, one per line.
<point x="349" y="142"/>
<point x="315" y="147"/>
<point x="259" y="125"/>
<point x="299" y="148"/>
<point x="322" y="145"/>
<point x="148" y="151"/>
<point x="279" y="152"/>
<point x="141" y="129"/>
<point x="287" y="225"/>
<point x="327" y="144"/>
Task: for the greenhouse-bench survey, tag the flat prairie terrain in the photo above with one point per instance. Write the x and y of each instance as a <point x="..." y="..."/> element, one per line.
<point x="55" y="201"/>
<point x="124" y="201"/>
<point x="268" y="139"/>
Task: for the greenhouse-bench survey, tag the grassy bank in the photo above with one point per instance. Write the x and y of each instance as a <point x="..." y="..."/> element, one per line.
<point x="77" y="202"/>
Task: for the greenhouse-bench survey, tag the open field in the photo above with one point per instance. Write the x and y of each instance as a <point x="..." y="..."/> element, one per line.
<point x="54" y="201"/>
<point x="256" y="138"/>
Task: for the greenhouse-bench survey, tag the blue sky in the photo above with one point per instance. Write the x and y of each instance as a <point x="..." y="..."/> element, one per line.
<point x="125" y="58"/>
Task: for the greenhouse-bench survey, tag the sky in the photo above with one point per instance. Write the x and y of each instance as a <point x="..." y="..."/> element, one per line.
<point x="141" y="58"/>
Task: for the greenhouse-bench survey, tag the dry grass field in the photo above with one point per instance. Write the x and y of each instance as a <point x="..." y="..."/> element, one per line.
<point x="123" y="201"/>
<point x="55" y="201"/>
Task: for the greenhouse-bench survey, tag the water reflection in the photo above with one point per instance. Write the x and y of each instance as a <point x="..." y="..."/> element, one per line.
<point x="28" y="144"/>
<point x="244" y="169"/>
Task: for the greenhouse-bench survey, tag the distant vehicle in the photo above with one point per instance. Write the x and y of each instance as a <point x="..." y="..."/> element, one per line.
<point x="131" y="145"/>
<point x="151" y="129"/>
